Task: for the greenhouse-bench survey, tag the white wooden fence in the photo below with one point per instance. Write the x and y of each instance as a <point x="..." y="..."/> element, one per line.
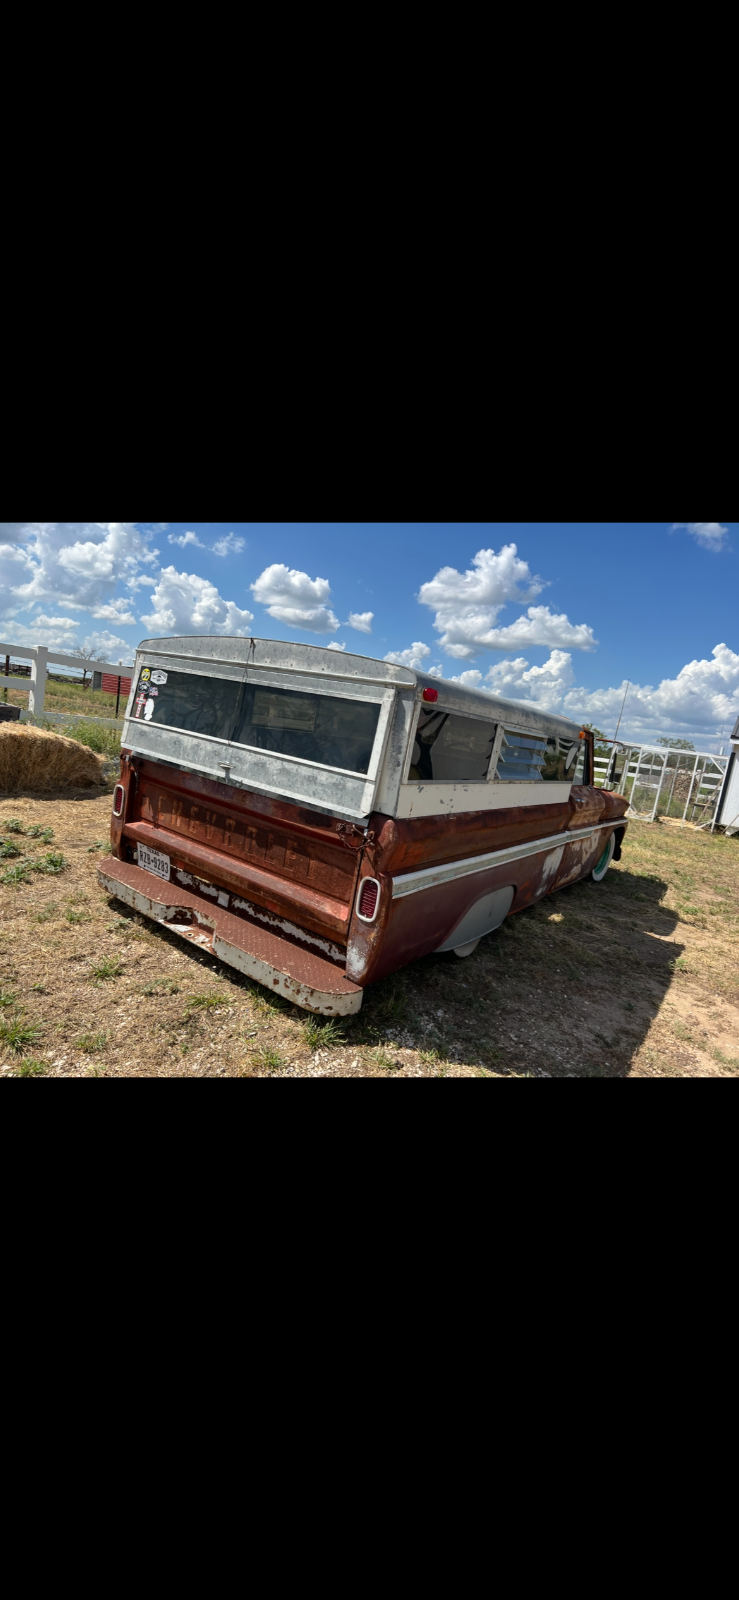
<point x="40" y="658"/>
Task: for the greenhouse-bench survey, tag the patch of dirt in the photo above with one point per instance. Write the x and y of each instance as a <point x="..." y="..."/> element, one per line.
<point x="634" y="977"/>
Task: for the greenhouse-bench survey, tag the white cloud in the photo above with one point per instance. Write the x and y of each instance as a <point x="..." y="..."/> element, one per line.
<point x="710" y="534"/>
<point x="334" y="646"/>
<point x="60" y="632"/>
<point x="117" y="611"/>
<point x="413" y="657"/>
<point x="135" y="583"/>
<point x="108" y="647"/>
<point x="184" y="603"/>
<point x="545" y="686"/>
<point x="703" y="698"/>
<point x="74" y="565"/>
<point x="231" y="544"/>
<point x="469" y="680"/>
<point x="185" y="539"/>
<point x="361" y="620"/>
<point x="539" y="626"/>
<point x="292" y="597"/>
<point x="467" y="603"/>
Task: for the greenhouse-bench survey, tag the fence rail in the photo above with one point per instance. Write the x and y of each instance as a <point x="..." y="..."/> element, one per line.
<point x="40" y="657"/>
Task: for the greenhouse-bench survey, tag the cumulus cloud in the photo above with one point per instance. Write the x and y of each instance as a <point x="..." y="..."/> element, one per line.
<point x="292" y="597"/>
<point x="74" y="565"/>
<point x="414" y="656"/>
<point x="539" y="626"/>
<point x="184" y="539"/>
<point x="334" y="646"/>
<point x="710" y="534"/>
<point x="467" y="605"/>
<point x="229" y="545"/>
<point x="108" y="647"/>
<point x="59" y="632"/>
<point x="545" y="686"/>
<point x="702" y="699"/>
<point x="117" y="611"/>
<point x="184" y="603"/>
<point x="135" y="583"/>
<point x="361" y="620"/>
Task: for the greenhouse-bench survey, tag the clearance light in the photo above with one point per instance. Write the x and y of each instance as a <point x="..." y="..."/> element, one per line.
<point x="368" y="900"/>
<point x="430" y="694"/>
<point x="119" y="795"/>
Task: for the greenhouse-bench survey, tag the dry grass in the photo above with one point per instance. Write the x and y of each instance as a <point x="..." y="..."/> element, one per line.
<point x="33" y="759"/>
<point x="635" y="977"/>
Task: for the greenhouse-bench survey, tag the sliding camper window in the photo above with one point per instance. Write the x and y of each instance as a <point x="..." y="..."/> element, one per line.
<point x="321" y="728"/>
<point x="449" y="748"/>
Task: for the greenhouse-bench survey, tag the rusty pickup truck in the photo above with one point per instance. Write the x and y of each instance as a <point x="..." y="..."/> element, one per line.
<point x="319" y="819"/>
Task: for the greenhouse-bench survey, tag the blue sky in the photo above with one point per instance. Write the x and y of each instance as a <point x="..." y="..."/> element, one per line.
<point x="558" y="613"/>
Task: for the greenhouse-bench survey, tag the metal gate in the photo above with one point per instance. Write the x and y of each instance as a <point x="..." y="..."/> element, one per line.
<point x="661" y="782"/>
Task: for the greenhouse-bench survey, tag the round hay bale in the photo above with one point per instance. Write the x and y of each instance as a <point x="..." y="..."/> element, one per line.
<point x="30" y="758"/>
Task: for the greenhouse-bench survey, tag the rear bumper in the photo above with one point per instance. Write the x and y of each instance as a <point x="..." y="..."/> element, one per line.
<point x="299" y="975"/>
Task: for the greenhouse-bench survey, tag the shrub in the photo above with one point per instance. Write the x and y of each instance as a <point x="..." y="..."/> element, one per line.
<point x="52" y="863"/>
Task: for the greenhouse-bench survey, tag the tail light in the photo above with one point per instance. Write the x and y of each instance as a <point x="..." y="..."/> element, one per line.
<point x="368" y="899"/>
<point x="430" y="694"/>
<point x="119" y="796"/>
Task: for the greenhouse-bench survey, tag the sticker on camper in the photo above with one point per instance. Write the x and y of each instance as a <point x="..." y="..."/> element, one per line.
<point x="149" y="709"/>
<point x="141" y="701"/>
<point x="159" y="677"/>
<point x="153" y="692"/>
<point x="146" y="674"/>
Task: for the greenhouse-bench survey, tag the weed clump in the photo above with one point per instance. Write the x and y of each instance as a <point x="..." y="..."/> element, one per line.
<point x="109" y="967"/>
<point x="90" y="1042"/>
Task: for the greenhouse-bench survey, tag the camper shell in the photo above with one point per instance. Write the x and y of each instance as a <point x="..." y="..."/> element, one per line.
<point x="319" y="819"/>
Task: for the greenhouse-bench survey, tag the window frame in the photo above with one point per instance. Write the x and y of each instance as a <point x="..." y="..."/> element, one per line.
<point x="449" y="711"/>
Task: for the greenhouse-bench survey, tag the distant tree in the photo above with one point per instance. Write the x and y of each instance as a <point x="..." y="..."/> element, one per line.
<point x="86" y="653"/>
<point x="677" y="744"/>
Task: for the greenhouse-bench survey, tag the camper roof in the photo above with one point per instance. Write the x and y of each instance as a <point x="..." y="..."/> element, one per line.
<point x="341" y="665"/>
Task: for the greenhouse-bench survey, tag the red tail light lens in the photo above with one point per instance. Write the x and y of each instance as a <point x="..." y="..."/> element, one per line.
<point x="430" y="694"/>
<point x="369" y="895"/>
<point x="119" y="796"/>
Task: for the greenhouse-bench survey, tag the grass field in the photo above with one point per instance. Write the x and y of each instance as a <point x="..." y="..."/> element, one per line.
<point x="70" y="697"/>
<point x="635" y="977"/>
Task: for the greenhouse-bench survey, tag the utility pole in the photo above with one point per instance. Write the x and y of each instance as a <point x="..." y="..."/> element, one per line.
<point x="621" y="712"/>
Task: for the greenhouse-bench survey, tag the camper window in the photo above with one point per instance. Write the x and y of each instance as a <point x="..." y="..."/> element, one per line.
<point x="327" y="730"/>
<point x="451" y="748"/>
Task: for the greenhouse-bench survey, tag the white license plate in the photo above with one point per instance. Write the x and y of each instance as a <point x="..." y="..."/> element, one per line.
<point x="154" y="861"/>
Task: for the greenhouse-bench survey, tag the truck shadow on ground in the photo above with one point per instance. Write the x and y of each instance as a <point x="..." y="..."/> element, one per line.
<point x="568" y="987"/>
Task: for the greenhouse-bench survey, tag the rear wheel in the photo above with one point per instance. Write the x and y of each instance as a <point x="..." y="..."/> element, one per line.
<point x="603" y="863"/>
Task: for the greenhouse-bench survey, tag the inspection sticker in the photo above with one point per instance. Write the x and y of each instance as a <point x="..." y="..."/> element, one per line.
<point x="154" y="861"/>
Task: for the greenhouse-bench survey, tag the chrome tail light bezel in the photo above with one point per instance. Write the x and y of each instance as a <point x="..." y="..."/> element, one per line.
<point x="119" y="792"/>
<point x="362" y="887"/>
